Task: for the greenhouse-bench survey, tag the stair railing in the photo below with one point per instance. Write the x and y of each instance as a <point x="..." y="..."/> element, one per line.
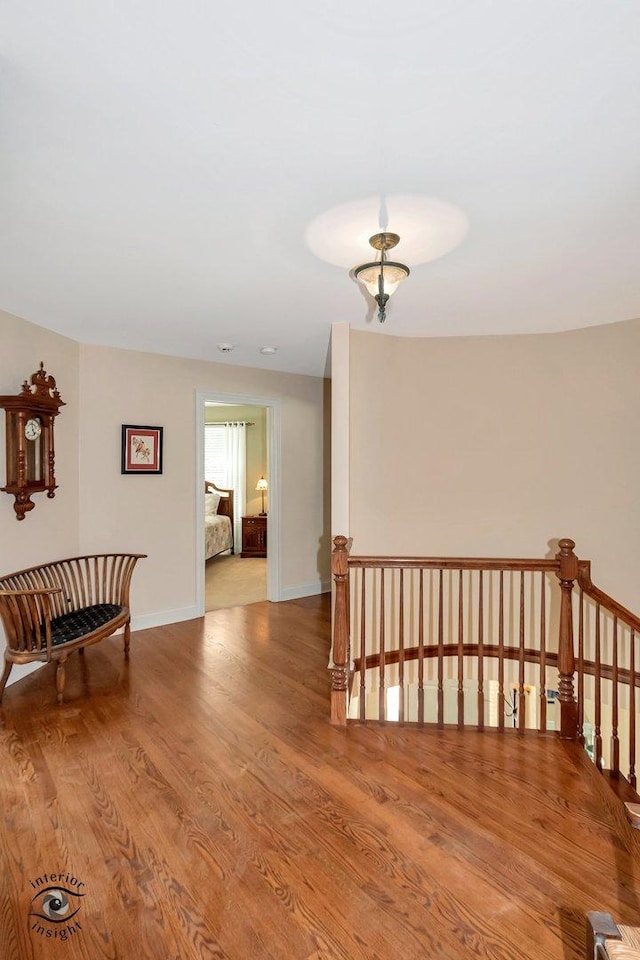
<point x="428" y="627"/>
<point x="607" y="677"/>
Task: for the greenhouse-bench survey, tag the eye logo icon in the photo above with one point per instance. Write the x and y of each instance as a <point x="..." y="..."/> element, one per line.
<point x="54" y="904"/>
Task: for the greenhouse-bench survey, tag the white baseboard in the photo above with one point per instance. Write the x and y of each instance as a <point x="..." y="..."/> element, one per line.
<point x="163" y="617"/>
<point x="305" y="590"/>
<point x="21" y="670"/>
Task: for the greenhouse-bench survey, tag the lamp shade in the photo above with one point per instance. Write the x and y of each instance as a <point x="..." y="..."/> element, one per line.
<point x="393" y="273"/>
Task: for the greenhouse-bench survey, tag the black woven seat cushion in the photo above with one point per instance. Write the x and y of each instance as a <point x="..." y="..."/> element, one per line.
<point x="79" y="623"/>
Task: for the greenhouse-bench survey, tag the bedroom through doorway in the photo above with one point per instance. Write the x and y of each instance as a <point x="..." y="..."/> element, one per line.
<point x="236" y="513"/>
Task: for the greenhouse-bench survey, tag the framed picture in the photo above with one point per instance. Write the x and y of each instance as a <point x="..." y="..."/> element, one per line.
<point x="141" y="449"/>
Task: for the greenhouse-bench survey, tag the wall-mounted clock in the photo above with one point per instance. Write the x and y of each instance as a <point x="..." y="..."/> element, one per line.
<point x="32" y="429"/>
<point x="30" y="442"/>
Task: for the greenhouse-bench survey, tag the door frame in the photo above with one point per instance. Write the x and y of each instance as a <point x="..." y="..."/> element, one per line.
<point x="273" y="472"/>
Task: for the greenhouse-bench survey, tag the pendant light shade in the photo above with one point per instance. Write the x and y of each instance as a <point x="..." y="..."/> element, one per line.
<point x="381" y="277"/>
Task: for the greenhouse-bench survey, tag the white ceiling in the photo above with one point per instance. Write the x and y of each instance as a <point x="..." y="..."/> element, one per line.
<point x="164" y="166"/>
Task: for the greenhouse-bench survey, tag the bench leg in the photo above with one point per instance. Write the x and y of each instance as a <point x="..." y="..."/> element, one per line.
<point x="60" y="678"/>
<point x="600" y="927"/>
<point x="127" y="638"/>
<point x="5" y="676"/>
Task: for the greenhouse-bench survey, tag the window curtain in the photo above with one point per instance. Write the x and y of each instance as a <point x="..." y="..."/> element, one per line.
<point x="225" y="459"/>
<point x="235" y="436"/>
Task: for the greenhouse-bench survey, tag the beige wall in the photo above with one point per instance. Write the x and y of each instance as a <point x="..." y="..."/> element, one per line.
<point x="156" y="514"/>
<point x="340" y="421"/>
<point x="50" y="530"/>
<point x="256" y="458"/>
<point x="499" y="445"/>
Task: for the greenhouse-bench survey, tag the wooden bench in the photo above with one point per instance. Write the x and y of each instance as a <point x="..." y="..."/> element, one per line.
<point x="51" y="610"/>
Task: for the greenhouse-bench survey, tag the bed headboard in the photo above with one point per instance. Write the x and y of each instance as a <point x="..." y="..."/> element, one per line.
<point x="225" y="507"/>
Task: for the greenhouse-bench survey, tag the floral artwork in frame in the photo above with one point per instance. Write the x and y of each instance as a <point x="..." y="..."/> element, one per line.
<point x="141" y="449"/>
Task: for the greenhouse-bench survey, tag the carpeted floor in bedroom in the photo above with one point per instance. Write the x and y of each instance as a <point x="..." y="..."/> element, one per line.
<point x="231" y="581"/>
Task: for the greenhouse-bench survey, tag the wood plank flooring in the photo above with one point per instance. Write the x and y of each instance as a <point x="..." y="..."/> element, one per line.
<point x="210" y="810"/>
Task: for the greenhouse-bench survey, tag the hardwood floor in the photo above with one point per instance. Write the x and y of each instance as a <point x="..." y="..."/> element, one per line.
<point x="210" y="810"/>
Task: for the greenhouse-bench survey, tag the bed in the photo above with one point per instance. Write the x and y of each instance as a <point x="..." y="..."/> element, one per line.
<point x="218" y="520"/>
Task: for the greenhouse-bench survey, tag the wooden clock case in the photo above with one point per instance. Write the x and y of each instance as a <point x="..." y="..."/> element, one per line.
<point x="30" y="463"/>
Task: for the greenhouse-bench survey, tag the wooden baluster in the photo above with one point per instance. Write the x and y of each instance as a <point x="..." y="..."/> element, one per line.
<point x="480" y="651"/>
<point x="597" y="739"/>
<point x="421" y="649"/>
<point x="632" y="710"/>
<point x="581" y="667"/>
<point x="543" y="657"/>
<point x="460" y="653"/>
<point x="522" y="701"/>
<point x="501" y="654"/>
<point x="567" y="573"/>
<point x="615" y="741"/>
<point x="363" y="645"/>
<point x="382" y="704"/>
<point x="339" y="668"/>
<point x="440" y="651"/>
<point x="349" y="615"/>
<point x="401" y="650"/>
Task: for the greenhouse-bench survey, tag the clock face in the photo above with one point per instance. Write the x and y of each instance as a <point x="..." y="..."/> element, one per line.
<point x="32" y="429"/>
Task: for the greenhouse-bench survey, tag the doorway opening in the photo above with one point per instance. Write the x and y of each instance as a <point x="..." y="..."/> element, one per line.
<point x="238" y="461"/>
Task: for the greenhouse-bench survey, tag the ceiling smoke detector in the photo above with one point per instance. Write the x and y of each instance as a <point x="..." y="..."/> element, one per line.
<point x="225" y="347"/>
<point x="268" y="350"/>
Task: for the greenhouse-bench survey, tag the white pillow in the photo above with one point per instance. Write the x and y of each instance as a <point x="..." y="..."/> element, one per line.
<point x="211" y="501"/>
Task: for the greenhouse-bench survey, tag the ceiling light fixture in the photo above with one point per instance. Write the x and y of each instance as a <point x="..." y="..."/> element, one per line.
<point x="268" y="350"/>
<point x="382" y="276"/>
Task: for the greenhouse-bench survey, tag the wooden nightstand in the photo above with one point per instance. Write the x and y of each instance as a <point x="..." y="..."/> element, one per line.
<point x="254" y="536"/>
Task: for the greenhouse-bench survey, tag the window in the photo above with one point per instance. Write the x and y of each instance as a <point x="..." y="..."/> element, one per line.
<point x="215" y="455"/>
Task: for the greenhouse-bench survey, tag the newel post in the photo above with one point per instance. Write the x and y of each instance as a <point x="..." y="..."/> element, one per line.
<point x="567" y="573"/>
<point x="339" y="668"/>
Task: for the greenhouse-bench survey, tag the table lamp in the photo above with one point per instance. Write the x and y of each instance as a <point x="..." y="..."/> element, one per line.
<point x="262" y="485"/>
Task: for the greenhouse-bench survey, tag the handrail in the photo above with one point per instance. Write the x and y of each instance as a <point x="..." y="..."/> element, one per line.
<point x="606" y="602"/>
<point x="453" y="563"/>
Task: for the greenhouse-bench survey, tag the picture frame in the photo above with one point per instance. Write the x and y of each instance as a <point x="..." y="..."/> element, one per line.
<point x="141" y="449"/>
